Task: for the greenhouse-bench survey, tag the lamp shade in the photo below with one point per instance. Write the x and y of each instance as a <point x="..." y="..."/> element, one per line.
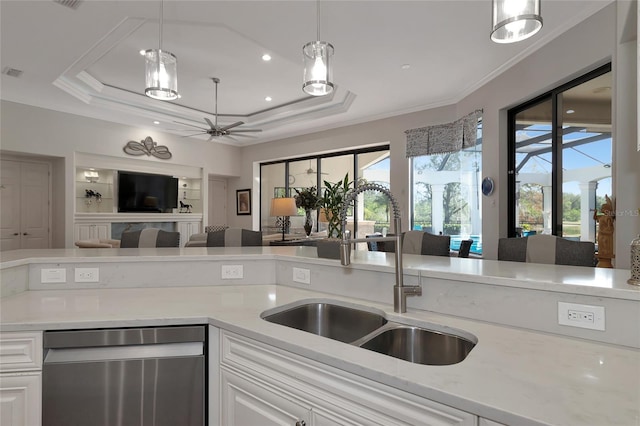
<point x="283" y="207"/>
<point x="318" y="71"/>
<point x="161" y="75"/>
<point x="515" y="20"/>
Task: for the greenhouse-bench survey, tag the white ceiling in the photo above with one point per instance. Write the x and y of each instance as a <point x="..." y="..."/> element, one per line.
<point x="86" y="61"/>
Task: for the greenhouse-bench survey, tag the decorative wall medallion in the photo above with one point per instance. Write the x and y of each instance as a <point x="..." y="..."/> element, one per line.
<point x="148" y="147"/>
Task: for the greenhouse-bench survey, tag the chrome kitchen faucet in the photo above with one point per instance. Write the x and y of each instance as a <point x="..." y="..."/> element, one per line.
<point x="400" y="291"/>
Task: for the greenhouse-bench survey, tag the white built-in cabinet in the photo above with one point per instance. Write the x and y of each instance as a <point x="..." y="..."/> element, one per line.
<point x="263" y="385"/>
<point x="20" y="378"/>
<point x="187" y="229"/>
<point x="92" y="231"/>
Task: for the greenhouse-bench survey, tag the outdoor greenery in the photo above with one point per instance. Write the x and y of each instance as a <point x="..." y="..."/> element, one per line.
<point x="531" y="214"/>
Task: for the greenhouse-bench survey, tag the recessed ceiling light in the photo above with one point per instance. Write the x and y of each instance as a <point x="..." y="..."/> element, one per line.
<point x="156" y="122"/>
<point x="268" y="99"/>
<point x="570" y="111"/>
<point x="266" y="57"/>
<point x="406" y="66"/>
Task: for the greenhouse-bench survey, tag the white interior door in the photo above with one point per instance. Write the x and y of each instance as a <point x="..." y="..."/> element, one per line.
<point x="25" y="207"/>
<point x="217" y="201"/>
<point x="10" y="234"/>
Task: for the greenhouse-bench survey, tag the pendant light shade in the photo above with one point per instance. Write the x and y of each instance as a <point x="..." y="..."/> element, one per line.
<point x="318" y="71"/>
<point x="161" y="71"/>
<point x="515" y="20"/>
<point x="317" y="68"/>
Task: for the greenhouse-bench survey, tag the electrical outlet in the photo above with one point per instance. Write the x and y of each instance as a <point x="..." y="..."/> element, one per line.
<point x="231" y="272"/>
<point x="87" y="275"/>
<point x="583" y="316"/>
<point x="301" y="275"/>
<point x="54" y="275"/>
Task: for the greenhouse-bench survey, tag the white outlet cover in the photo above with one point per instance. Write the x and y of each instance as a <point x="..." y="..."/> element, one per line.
<point x="231" y="272"/>
<point x="301" y="275"/>
<point x="564" y="318"/>
<point x="87" y="275"/>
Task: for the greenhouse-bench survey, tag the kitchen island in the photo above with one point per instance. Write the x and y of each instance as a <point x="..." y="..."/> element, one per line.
<point x="521" y="371"/>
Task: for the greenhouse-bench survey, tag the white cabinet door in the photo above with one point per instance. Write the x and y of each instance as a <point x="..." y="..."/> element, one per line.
<point x="187" y="229"/>
<point x="92" y="231"/>
<point x="20" y="399"/>
<point x="246" y="402"/>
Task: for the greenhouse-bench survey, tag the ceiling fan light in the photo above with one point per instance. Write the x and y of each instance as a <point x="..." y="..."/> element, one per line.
<point x="515" y="20"/>
<point x="161" y="75"/>
<point x="318" y="71"/>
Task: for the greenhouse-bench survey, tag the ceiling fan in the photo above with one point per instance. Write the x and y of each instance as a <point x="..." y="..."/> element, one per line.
<point x="214" y="130"/>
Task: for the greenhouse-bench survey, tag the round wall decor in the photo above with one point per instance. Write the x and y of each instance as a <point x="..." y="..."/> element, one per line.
<point x="487" y="186"/>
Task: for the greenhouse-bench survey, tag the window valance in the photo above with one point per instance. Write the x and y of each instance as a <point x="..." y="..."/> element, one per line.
<point x="442" y="138"/>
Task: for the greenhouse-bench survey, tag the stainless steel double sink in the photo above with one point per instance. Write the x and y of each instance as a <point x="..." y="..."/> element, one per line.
<point x="369" y="329"/>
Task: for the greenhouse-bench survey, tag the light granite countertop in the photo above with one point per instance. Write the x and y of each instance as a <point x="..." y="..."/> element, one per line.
<point x="512" y="376"/>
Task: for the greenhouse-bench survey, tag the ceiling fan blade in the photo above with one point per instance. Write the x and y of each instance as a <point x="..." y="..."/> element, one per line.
<point x="209" y="123"/>
<point x="192" y="125"/>
<point x="212" y="137"/>
<point x="240" y="134"/>
<point x="237" y="123"/>
<point x="195" y="134"/>
<point x="246" y="130"/>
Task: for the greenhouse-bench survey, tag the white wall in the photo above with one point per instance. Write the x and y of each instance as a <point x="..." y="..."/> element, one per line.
<point x="38" y="131"/>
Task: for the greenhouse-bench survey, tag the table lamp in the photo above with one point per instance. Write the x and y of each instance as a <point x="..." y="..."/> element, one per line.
<point x="283" y="208"/>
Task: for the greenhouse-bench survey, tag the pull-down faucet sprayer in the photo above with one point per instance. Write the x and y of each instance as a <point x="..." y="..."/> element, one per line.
<point x="400" y="291"/>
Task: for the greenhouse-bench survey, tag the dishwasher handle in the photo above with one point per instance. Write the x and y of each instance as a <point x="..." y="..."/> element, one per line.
<point x="120" y="353"/>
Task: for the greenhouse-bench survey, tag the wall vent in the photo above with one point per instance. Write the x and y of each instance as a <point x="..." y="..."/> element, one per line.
<point x="73" y="4"/>
<point x="11" y="72"/>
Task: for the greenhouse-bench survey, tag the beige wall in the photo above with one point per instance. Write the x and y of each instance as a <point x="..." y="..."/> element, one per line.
<point x="603" y="37"/>
<point x="590" y="44"/>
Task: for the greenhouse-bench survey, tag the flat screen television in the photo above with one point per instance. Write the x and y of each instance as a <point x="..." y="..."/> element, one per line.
<point x="147" y="193"/>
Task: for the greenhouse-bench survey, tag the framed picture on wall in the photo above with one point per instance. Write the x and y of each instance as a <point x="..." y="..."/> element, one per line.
<point x="243" y="202"/>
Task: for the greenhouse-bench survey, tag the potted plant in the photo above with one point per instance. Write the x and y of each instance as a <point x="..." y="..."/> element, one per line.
<point x="307" y="199"/>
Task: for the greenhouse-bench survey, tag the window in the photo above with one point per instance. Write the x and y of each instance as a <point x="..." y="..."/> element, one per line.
<point x="446" y="194"/>
<point x="279" y="179"/>
<point x="560" y="158"/>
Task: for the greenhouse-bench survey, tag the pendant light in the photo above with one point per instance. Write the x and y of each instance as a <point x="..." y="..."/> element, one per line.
<point x="317" y="65"/>
<point x="515" y="20"/>
<point x="161" y="70"/>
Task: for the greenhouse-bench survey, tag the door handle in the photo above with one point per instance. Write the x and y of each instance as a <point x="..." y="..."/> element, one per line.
<point x="25" y="233"/>
<point x="16" y="233"/>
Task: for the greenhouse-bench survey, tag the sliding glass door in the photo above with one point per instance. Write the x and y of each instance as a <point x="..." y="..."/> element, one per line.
<point x="560" y="159"/>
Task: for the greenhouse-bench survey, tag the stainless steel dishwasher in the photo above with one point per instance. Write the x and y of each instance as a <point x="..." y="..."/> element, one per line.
<point x="125" y="377"/>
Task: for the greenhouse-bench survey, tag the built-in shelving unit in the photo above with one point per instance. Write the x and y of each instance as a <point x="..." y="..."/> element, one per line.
<point x="96" y="209"/>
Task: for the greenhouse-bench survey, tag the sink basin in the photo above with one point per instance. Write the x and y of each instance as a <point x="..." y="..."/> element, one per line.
<point x="419" y="345"/>
<point x="336" y="322"/>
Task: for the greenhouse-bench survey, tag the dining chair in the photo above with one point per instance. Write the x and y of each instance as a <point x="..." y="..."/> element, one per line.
<point x="149" y="237"/>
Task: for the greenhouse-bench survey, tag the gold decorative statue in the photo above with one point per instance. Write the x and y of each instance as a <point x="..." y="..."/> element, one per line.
<point x="605" y="219"/>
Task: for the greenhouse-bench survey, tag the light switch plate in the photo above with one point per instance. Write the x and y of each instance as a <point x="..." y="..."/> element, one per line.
<point x="53" y="275"/>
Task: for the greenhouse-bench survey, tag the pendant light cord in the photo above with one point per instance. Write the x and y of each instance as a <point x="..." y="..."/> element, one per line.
<point x="160" y="26"/>
<point x="318" y="18"/>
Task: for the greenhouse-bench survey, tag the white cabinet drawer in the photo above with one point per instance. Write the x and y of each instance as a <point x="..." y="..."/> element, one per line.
<point x="333" y="396"/>
<point x="20" y="351"/>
